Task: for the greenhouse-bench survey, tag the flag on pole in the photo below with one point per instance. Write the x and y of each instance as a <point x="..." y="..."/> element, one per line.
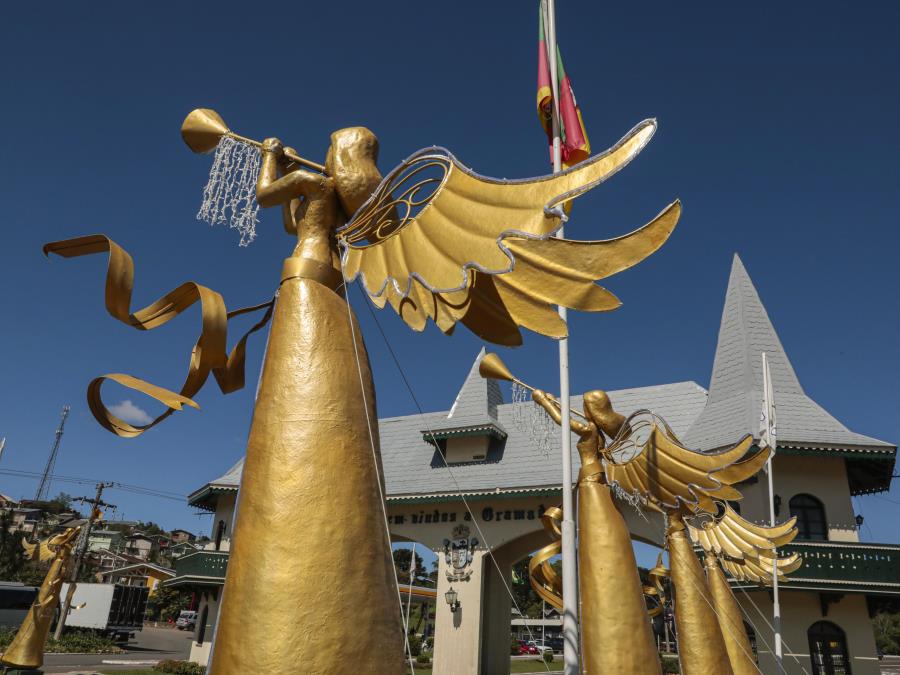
<point x="574" y="144"/>
<point x="767" y="431"/>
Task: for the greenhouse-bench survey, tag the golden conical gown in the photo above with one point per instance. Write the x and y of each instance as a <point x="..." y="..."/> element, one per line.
<point x="616" y="634"/>
<point x="310" y="535"/>
<point x="732" y="622"/>
<point x="701" y="648"/>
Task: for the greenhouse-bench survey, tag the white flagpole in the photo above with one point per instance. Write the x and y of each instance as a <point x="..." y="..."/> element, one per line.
<point x="569" y="567"/>
<point x="768" y="433"/>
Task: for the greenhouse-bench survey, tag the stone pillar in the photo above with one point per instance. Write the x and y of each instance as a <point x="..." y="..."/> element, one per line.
<point x="457" y="635"/>
<point x="496" y="614"/>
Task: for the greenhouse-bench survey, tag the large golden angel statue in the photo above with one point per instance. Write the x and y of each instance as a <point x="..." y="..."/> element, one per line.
<point x="641" y="457"/>
<point x="27" y="648"/>
<point x="433" y="240"/>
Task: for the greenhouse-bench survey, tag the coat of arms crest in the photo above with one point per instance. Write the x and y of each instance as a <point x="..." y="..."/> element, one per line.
<point x="458" y="553"/>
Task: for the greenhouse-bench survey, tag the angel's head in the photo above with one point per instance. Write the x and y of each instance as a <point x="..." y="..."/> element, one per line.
<point x="351" y="162"/>
<point x="598" y="409"/>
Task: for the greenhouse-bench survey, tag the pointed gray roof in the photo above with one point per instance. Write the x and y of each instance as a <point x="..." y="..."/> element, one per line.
<point x="475" y="406"/>
<point x="735" y="390"/>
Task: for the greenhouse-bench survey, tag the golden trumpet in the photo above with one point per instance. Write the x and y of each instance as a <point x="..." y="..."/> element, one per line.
<point x="203" y="128"/>
<point x="492" y="367"/>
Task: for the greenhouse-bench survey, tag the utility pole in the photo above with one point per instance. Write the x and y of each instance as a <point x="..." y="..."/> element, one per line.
<point x="83" y="541"/>
<point x="44" y="485"/>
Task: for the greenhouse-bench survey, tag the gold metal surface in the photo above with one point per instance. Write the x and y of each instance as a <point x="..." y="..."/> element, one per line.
<point x="656" y="591"/>
<point x="203" y="128"/>
<point x="310" y="484"/>
<point x="209" y="354"/>
<point x="731" y="620"/>
<point x="613" y="610"/>
<point x="310" y="460"/>
<point x="701" y="647"/>
<point x="543" y="578"/>
<point x="27" y="648"/>
<point x="479" y="251"/>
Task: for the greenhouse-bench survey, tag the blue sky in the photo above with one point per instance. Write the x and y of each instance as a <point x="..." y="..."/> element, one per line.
<point x="777" y="130"/>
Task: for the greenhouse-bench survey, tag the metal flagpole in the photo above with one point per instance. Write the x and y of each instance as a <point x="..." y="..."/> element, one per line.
<point x="768" y="436"/>
<point x="569" y="568"/>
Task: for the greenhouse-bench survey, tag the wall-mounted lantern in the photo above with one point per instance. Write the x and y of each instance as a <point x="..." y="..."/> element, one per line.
<point x="777" y="502"/>
<point x="452" y="599"/>
<point x="859" y="521"/>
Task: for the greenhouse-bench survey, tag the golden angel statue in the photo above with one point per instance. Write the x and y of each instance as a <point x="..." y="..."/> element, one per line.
<point x="433" y="240"/>
<point x="640" y="456"/>
<point x="27" y="648"/>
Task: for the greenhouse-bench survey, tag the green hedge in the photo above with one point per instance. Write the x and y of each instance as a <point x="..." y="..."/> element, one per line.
<point x="74" y="640"/>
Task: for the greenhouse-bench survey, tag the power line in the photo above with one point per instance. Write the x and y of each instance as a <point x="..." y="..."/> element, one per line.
<point x="126" y="487"/>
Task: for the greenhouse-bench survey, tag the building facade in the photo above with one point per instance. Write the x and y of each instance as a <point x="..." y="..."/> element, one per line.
<point x="471" y="484"/>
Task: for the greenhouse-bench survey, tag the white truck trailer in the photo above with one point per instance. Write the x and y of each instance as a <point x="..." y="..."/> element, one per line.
<point x="112" y="609"/>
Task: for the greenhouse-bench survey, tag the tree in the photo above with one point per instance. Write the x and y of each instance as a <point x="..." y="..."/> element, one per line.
<point x="887" y="632"/>
<point x="402" y="559"/>
<point x="166" y="603"/>
<point x="527" y="600"/>
<point x="12" y="555"/>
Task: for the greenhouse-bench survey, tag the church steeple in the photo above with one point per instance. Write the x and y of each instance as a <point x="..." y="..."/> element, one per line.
<point x="735" y="390"/>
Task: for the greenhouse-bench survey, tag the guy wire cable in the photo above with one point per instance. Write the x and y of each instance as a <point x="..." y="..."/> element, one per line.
<point x="378" y="475"/>
<point x="459" y="491"/>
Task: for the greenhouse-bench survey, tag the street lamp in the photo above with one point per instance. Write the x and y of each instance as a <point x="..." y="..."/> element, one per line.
<point x="859" y="521"/>
<point x="452" y="599"/>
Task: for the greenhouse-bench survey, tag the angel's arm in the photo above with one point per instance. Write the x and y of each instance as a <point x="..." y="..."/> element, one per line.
<point x="549" y="403"/>
<point x="272" y="190"/>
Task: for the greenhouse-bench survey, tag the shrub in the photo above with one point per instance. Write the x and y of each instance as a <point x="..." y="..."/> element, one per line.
<point x="669" y="665"/>
<point x="179" y="668"/>
<point x="423" y="659"/>
<point x="513" y="645"/>
<point x="548" y="657"/>
<point x="415" y="644"/>
<point x="82" y="641"/>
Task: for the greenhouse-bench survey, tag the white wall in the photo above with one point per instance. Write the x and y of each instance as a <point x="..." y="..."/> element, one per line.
<point x="822" y="477"/>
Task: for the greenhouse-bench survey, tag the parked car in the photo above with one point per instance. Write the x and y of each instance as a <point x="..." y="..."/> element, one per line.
<point x="525" y="648"/>
<point x="541" y="646"/>
<point x="187" y="620"/>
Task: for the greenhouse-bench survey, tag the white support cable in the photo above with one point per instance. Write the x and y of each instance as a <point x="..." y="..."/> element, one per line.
<point x="378" y="476"/>
<point x="459" y="492"/>
<point x="772" y="628"/>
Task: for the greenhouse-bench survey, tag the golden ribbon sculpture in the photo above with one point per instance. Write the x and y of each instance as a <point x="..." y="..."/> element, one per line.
<point x="645" y="459"/>
<point x="27" y="648"/>
<point x="474" y="250"/>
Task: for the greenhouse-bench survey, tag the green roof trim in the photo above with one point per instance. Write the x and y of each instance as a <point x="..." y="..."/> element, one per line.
<point x="474" y="497"/>
<point x="430" y="436"/>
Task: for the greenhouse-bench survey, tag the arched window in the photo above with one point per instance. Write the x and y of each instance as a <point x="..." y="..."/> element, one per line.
<point x="220" y="532"/>
<point x="811" y="523"/>
<point x="828" y="649"/>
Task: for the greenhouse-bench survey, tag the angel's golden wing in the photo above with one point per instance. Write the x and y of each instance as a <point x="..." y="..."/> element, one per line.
<point x="729" y="534"/>
<point x="760" y="571"/>
<point x="38" y="551"/>
<point x="437" y="241"/>
<point x="648" y="460"/>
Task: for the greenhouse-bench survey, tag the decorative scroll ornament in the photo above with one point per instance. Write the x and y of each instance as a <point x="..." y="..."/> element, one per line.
<point x="543" y="578"/>
<point x="458" y="554"/>
<point x="656" y="591"/>
<point x="209" y="354"/>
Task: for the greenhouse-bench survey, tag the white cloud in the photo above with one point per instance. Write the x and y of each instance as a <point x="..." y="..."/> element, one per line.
<point x="129" y="412"/>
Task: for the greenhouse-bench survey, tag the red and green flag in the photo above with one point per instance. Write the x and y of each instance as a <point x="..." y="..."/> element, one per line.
<point x="574" y="144"/>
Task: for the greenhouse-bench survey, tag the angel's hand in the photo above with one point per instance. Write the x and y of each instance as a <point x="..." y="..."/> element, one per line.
<point x="273" y="146"/>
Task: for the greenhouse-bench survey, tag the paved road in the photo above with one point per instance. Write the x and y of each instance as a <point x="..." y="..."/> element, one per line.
<point x="890" y="665"/>
<point x="149" y="645"/>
